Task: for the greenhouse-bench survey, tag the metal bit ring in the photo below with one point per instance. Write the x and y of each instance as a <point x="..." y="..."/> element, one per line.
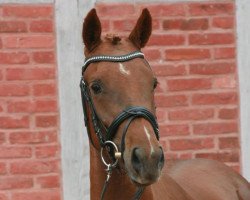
<point x="116" y="151"/>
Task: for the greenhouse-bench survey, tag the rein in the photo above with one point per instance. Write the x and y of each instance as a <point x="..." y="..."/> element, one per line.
<point x="105" y="134"/>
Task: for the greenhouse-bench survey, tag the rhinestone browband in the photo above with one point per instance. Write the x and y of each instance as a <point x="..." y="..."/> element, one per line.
<point x="122" y="58"/>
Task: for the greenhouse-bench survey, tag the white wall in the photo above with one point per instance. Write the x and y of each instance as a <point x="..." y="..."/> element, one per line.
<point x="74" y="141"/>
<point x="243" y="51"/>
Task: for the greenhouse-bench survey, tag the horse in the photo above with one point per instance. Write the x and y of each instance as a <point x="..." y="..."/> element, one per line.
<point x="126" y="158"/>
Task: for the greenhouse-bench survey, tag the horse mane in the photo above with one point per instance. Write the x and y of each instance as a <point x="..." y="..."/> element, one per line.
<point x="113" y="38"/>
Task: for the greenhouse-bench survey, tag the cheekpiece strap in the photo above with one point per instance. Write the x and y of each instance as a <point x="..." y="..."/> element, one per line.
<point x="121" y="58"/>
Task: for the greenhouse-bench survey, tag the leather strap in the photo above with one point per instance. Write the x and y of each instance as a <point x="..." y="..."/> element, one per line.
<point x="135" y="112"/>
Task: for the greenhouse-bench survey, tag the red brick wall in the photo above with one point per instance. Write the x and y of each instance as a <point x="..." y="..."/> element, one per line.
<point x="192" y="51"/>
<point x="29" y="137"/>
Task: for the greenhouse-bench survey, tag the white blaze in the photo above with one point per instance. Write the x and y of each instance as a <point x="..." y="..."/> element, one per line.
<point x="149" y="137"/>
<point x="123" y="69"/>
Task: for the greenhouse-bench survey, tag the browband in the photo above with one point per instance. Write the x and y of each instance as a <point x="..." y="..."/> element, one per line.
<point x="121" y="58"/>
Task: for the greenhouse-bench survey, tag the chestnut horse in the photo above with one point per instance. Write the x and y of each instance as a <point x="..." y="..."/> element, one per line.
<point x="117" y="88"/>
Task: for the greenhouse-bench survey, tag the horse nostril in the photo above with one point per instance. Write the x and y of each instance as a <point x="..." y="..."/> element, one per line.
<point x="136" y="159"/>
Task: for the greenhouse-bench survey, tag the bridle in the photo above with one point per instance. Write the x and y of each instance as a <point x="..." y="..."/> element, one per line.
<point x="105" y="134"/>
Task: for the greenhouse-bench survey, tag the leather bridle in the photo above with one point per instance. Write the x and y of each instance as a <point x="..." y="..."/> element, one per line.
<point x="105" y="134"/>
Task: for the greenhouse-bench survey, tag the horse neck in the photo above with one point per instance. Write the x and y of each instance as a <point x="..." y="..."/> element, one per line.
<point x="119" y="187"/>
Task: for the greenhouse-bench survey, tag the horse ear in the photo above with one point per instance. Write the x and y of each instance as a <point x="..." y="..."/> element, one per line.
<point x="91" y="32"/>
<point x="142" y="31"/>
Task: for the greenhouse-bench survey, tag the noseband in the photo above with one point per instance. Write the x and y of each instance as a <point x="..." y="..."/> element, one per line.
<point x="105" y="134"/>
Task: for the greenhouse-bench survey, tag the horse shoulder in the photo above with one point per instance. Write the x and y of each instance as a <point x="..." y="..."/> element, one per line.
<point x="208" y="180"/>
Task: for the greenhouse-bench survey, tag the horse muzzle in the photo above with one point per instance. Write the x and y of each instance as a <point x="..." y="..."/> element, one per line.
<point x="144" y="169"/>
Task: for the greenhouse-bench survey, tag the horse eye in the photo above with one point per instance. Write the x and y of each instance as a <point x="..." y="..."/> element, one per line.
<point x="96" y="88"/>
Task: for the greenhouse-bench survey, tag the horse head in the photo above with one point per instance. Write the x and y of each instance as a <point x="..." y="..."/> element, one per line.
<point x="123" y="86"/>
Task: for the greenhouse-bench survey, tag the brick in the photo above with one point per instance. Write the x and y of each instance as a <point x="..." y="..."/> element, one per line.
<point x="15" y="152"/>
<point x="127" y="25"/>
<point x="162" y="10"/>
<point x="105" y="25"/>
<point x="124" y="25"/>
<point x="187" y="54"/>
<point x="221" y="156"/>
<point x="225" y="53"/>
<point x="169" y="70"/>
<point x="45" y="121"/>
<point x="14" y="122"/>
<point x="46" y="106"/>
<point x="152" y="54"/>
<point x="205" y="9"/>
<point x="44" y="89"/>
<point x="44" y="57"/>
<point x="185" y="24"/>
<point x="33" y="167"/>
<point x="27" y="11"/>
<point x="39" y="195"/>
<point x="15" y="183"/>
<point x="3" y="169"/>
<point x="30" y="42"/>
<point x="215" y="98"/>
<point x="32" y="106"/>
<point x="225" y="82"/>
<point x="1" y="43"/>
<point x="47" y="151"/>
<point x="14" y="58"/>
<point x="14" y="90"/>
<point x="229" y="143"/>
<point x="21" y="106"/>
<point x="2" y="138"/>
<point x="41" y="26"/>
<point x="1" y="72"/>
<point x="29" y="137"/>
<point x="188" y="84"/>
<point x="12" y="27"/>
<point x="212" y="68"/>
<point x="118" y="10"/>
<point x="52" y="181"/>
<point x="223" y="22"/>
<point x="215" y="128"/>
<point x="211" y="39"/>
<point x="3" y="196"/>
<point x="228" y="113"/>
<point x="161" y="115"/>
<point x="174" y="130"/>
<point x="191" y="144"/>
<point x="171" y="101"/>
<point x="30" y="73"/>
<point x="191" y="114"/>
<point x="166" y="40"/>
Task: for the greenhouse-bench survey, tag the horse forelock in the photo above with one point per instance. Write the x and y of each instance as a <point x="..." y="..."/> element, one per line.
<point x="113" y="38"/>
